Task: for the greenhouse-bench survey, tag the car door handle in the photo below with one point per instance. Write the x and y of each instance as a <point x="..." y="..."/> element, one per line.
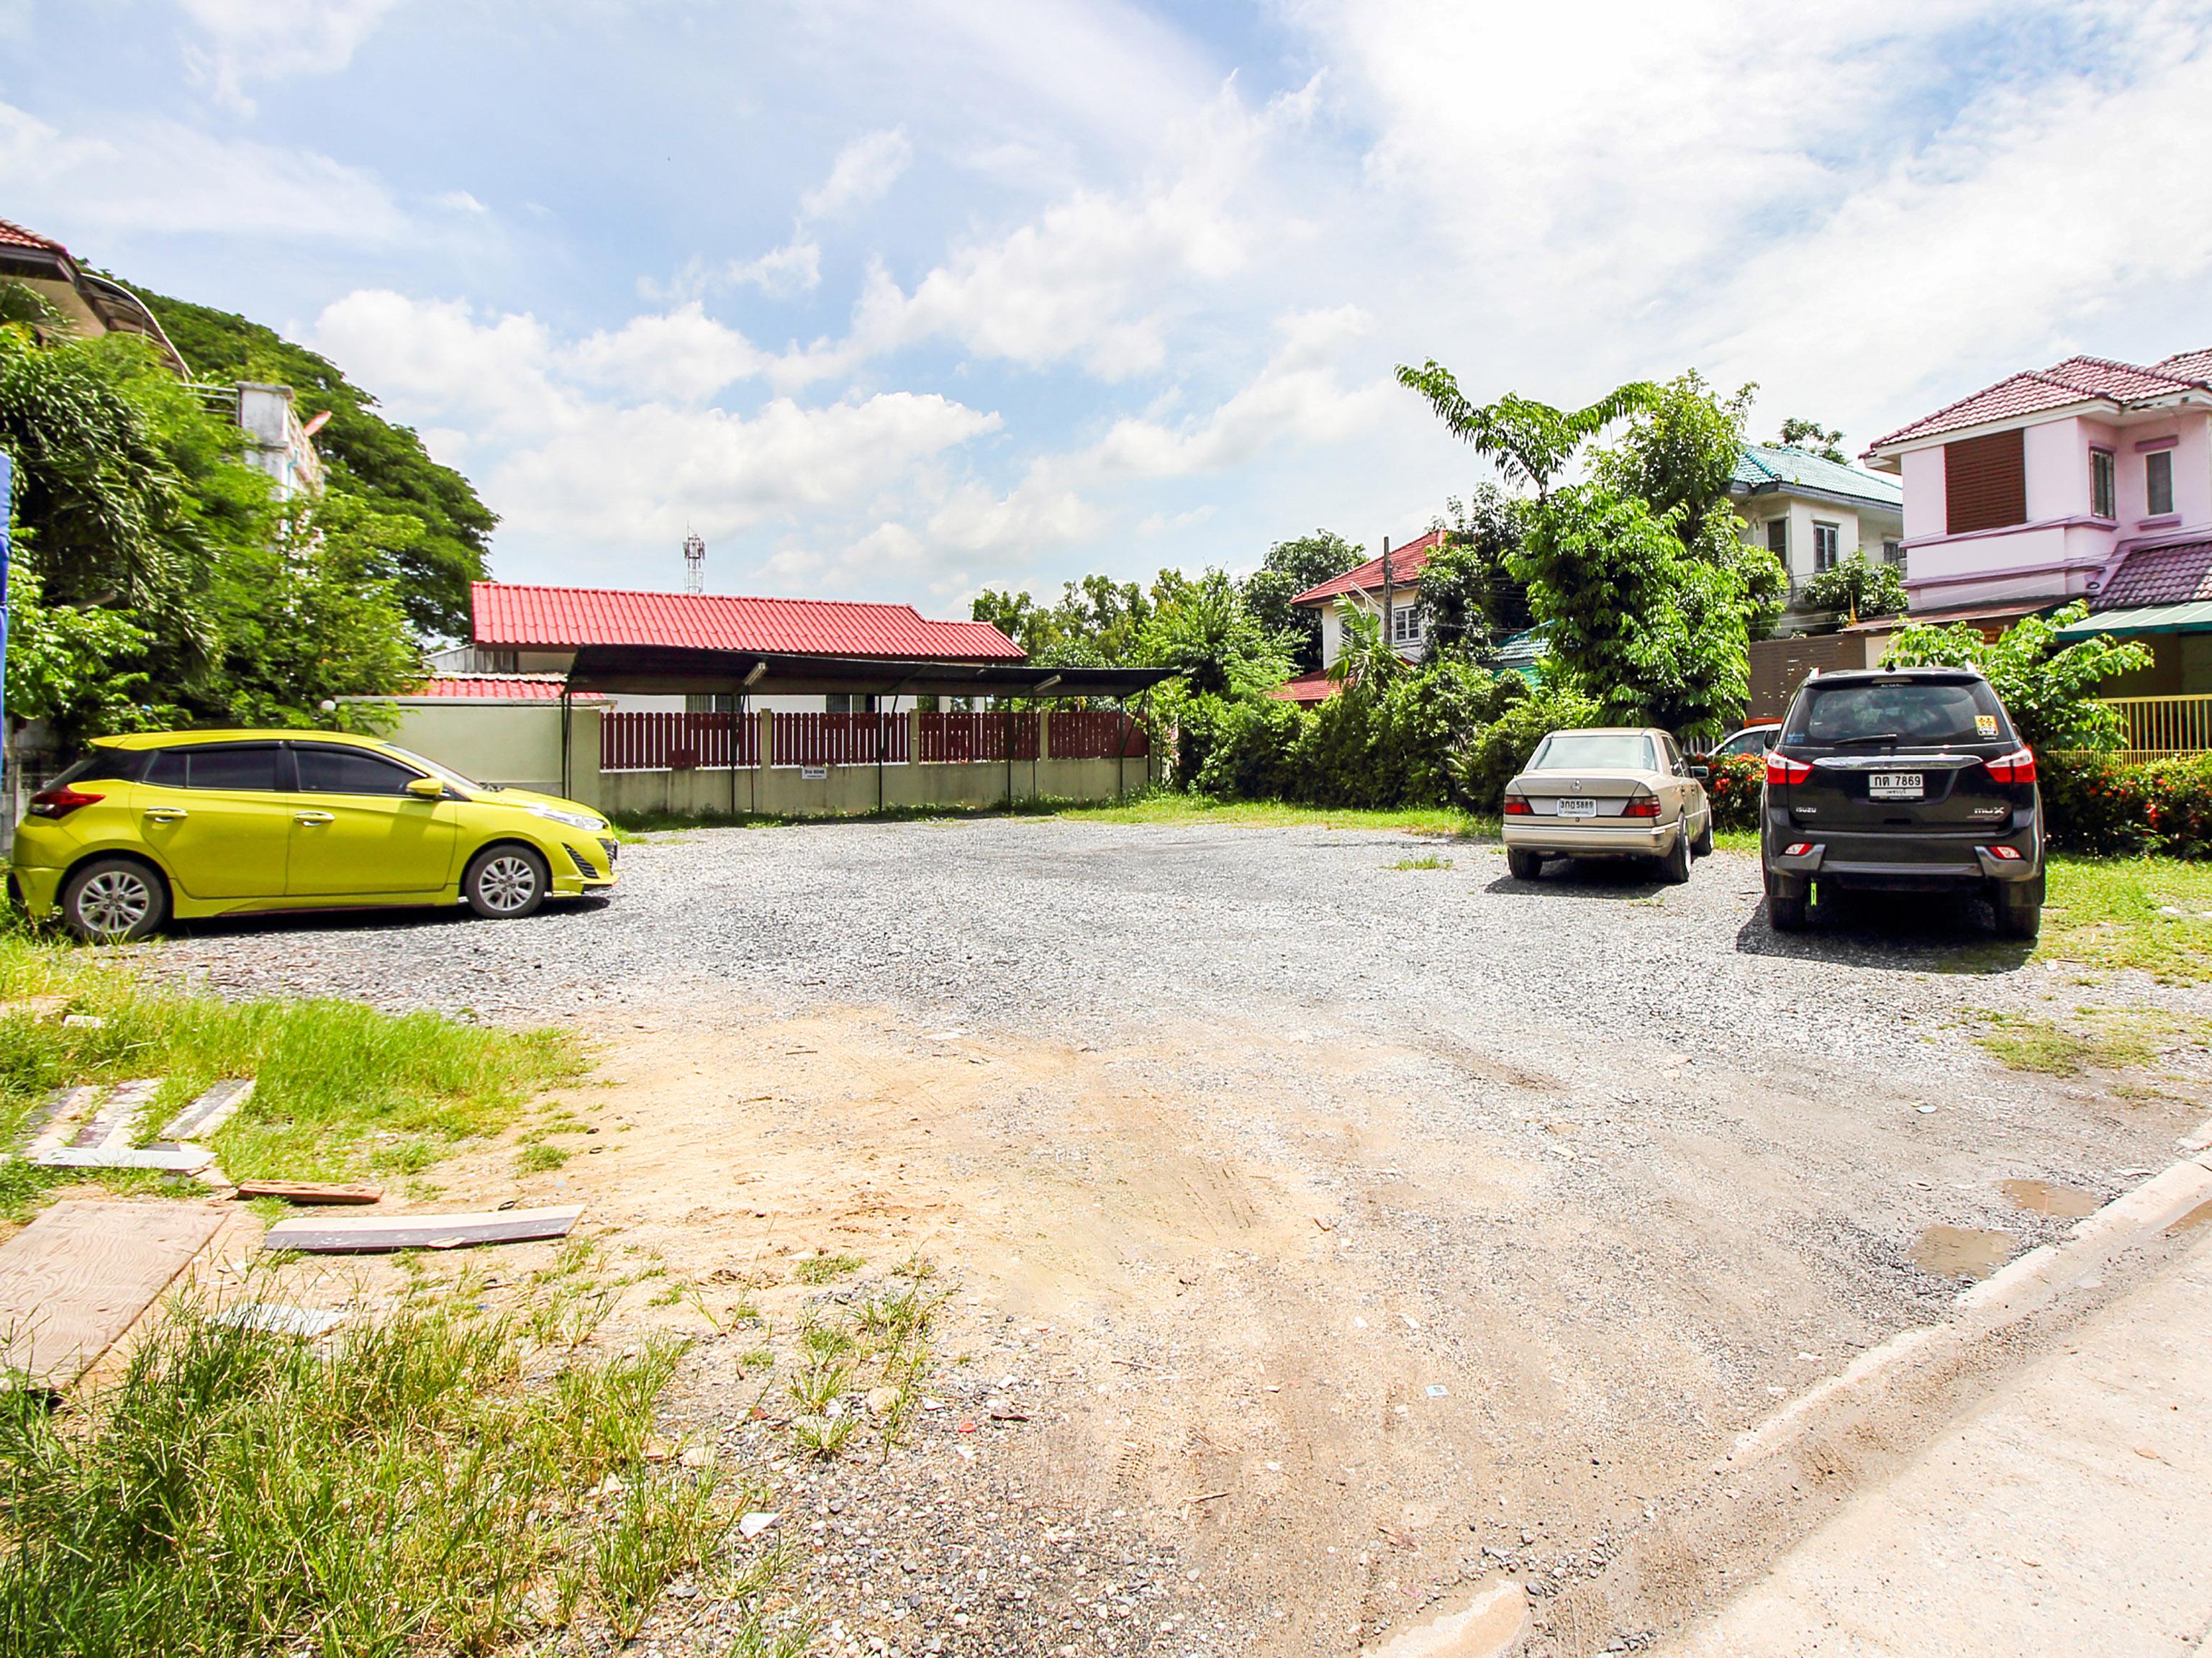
<point x="314" y="819"/>
<point x="166" y="814"/>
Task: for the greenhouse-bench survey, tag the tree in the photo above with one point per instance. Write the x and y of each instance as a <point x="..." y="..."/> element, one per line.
<point x="1096" y="624"/>
<point x="1529" y="442"/>
<point x="1469" y="596"/>
<point x="1204" y="631"/>
<point x="2050" y="690"/>
<point x="1815" y="439"/>
<point x="1678" y="454"/>
<point x="162" y="581"/>
<point x="367" y="456"/>
<point x="1858" y="586"/>
<point x="1656" y="633"/>
<point x="1289" y="569"/>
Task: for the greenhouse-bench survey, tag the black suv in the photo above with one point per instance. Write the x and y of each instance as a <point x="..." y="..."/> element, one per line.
<point x="1910" y="780"/>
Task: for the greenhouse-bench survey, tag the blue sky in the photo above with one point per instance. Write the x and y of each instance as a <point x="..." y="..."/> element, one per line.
<point x="896" y="301"/>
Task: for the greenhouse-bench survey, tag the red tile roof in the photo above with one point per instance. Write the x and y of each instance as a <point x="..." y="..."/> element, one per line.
<point x="510" y="617"/>
<point x="1307" y="688"/>
<point x="499" y="688"/>
<point x="14" y="236"/>
<point x="2178" y="573"/>
<point x="2077" y="380"/>
<point x="1406" y="564"/>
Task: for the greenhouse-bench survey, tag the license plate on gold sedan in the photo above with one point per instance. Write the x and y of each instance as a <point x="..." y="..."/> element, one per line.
<point x="1582" y="808"/>
<point x="1895" y="786"/>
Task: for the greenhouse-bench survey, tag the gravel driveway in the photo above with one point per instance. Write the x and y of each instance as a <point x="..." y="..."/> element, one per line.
<point x="1428" y="1204"/>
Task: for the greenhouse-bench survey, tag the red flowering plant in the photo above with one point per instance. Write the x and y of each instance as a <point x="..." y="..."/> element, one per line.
<point x="1732" y="784"/>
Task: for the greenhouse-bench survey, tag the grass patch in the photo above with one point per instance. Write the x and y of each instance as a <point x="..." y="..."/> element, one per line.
<point x="538" y="1158"/>
<point x="822" y="1269"/>
<point x="1154" y="806"/>
<point x="2110" y="1038"/>
<point x="1429" y="860"/>
<point x="340" y="1089"/>
<point x="406" y="1487"/>
<point x="2114" y="912"/>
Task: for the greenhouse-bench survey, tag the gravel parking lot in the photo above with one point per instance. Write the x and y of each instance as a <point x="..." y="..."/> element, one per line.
<point x="1345" y="1230"/>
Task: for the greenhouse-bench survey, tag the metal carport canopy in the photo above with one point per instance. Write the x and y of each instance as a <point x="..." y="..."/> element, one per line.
<point x="672" y="670"/>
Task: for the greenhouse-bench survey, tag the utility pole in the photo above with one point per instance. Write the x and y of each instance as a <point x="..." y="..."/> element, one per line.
<point x="1388" y="588"/>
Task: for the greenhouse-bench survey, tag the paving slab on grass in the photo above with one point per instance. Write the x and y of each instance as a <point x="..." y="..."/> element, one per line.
<point x="80" y="1275"/>
<point x="378" y="1234"/>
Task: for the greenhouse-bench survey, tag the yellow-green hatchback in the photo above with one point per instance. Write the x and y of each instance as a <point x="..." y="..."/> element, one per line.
<point x="178" y="824"/>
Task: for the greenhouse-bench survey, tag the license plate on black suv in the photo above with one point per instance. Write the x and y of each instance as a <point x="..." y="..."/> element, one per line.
<point x="1896" y="785"/>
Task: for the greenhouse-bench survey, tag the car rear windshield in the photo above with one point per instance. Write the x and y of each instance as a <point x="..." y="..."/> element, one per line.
<point x="1879" y="712"/>
<point x="1594" y="751"/>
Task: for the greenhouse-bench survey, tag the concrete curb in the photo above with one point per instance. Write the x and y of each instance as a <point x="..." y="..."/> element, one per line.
<point x="2020" y="1288"/>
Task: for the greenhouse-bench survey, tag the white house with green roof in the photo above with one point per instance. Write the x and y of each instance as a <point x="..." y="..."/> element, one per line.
<point x="1812" y="513"/>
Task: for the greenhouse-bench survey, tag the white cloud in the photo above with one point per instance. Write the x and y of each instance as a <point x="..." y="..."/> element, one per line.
<point x="783" y="272"/>
<point x="864" y="171"/>
<point x="605" y="441"/>
<point x="1297" y="399"/>
<point x="137" y="176"/>
<point x="461" y="202"/>
<point x="268" y="40"/>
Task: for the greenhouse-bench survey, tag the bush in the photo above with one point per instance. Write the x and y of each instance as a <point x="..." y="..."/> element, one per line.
<point x="1482" y="769"/>
<point x="2095" y="803"/>
<point x="1732" y="784"/>
<point x="1248" y="747"/>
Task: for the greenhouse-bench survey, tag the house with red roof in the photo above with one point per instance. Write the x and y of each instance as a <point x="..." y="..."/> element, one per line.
<point x="2043" y="488"/>
<point x="1388" y="587"/>
<point x="522" y="629"/>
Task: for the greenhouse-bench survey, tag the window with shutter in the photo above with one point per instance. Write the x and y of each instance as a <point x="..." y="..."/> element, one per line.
<point x="1985" y="482"/>
<point x="2158" y="482"/>
<point x="2103" y="495"/>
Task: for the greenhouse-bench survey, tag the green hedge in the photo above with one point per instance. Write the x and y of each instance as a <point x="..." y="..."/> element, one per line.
<point x="2099" y="804"/>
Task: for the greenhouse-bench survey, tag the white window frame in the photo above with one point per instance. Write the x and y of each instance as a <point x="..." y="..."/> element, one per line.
<point x="2152" y="468"/>
<point x="1406" y="624"/>
<point x="2105" y="470"/>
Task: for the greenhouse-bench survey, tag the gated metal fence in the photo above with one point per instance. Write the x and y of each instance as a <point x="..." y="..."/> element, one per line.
<point x="2160" y="726"/>
<point x="631" y="741"/>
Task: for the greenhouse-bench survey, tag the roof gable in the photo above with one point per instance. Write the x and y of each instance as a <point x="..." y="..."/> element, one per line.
<point x="2077" y="380"/>
<point x="506" y="616"/>
<point x="1406" y="564"/>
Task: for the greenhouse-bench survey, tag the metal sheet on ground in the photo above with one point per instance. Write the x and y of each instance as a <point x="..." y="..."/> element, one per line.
<point x="374" y="1235"/>
<point x="79" y="1276"/>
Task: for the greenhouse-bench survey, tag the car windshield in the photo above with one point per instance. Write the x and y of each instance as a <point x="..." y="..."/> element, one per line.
<point x="1594" y="751"/>
<point x="436" y="770"/>
<point x="1874" y="711"/>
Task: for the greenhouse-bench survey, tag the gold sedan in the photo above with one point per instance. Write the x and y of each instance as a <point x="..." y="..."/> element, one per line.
<point x="1614" y="792"/>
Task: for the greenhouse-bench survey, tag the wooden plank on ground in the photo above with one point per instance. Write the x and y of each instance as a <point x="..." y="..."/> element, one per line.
<point x="307" y="1191"/>
<point x="375" y="1234"/>
<point x="79" y="1276"/>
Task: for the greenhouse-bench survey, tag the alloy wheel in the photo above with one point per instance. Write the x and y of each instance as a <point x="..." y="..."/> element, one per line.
<point x="507" y="884"/>
<point x="114" y="901"/>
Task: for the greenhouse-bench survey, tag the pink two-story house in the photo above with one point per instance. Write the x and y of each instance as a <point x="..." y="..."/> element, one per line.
<point x="2090" y="479"/>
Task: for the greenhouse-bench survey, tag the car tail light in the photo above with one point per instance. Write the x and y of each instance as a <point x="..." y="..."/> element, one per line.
<point x="1780" y="768"/>
<point x="1796" y="848"/>
<point x="2018" y="766"/>
<point x="1641" y="805"/>
<point x="1517" y="807"/>
<point x="61" y="802"/>
<point x="2006" y="854"/>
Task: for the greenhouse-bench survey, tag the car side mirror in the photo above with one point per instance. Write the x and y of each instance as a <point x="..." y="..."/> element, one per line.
<point x="1701" y="771"/>
<point x="427" y="788"/>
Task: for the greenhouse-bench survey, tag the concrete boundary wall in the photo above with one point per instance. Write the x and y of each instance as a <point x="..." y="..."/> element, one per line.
<point x="518" y="744"/>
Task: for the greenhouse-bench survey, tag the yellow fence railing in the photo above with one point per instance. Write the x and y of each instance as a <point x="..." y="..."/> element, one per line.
<point x="2164" y="724"/>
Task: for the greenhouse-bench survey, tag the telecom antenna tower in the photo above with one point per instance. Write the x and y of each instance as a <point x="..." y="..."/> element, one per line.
<point x="695" y="561"/>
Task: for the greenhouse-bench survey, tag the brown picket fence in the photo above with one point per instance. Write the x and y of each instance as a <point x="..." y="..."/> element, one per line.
<point x="675" y="742"/>
<point x="1083" y="735"/>
<point x="840" y="739"/>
